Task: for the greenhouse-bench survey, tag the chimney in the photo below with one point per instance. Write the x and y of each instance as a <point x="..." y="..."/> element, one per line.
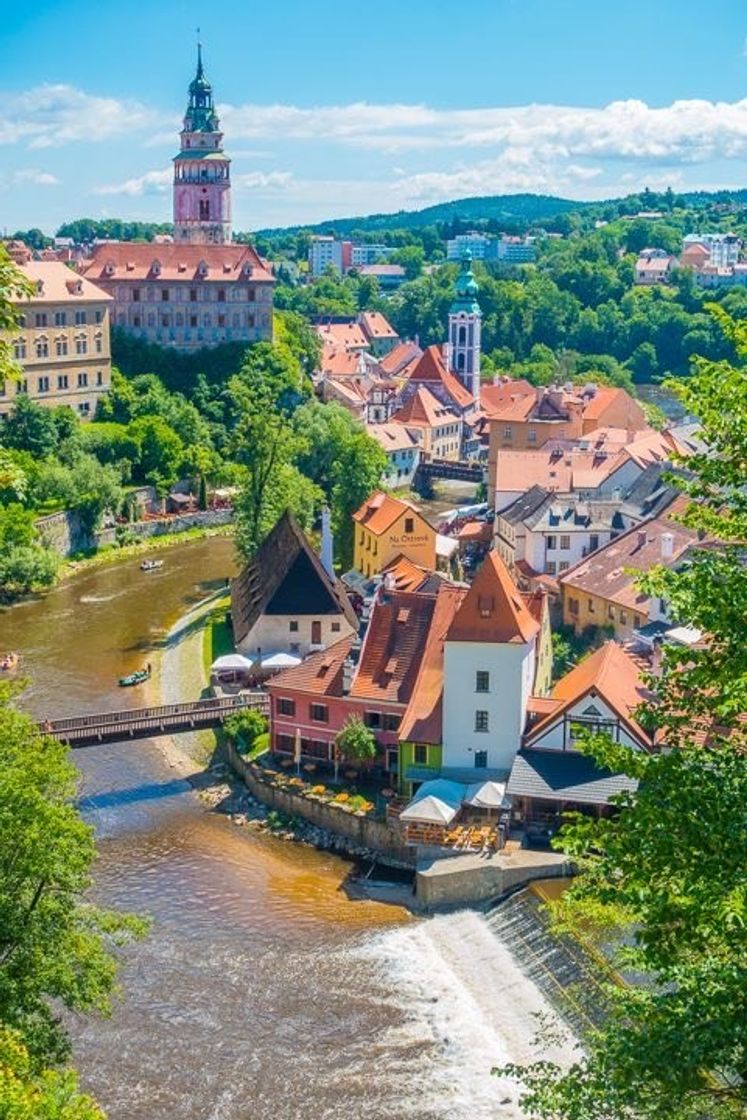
<point x="446" y="352"/>
<point x="641" y="537"/>
<point x="656" y="658"/>
<point x="667" y="546"/>
<point x="326" y="552"/>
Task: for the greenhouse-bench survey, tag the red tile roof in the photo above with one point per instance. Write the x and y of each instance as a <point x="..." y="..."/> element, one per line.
<point x="393" y="646"/>
<point x="423" y="410"/>
<point x="134" y="261"/>
<point x="432" y="368"/>
<point x="613" y="674"/>
<point x="493" y="398"/>
<point x="342" y="336"/>
<point x="493" y="610"/>
<point x="376" y="325"/>
<point x="422" y="721"/>
<point x="381" y="510"/>
<point x="319" y="674"/>
<point x="397" y="362"/>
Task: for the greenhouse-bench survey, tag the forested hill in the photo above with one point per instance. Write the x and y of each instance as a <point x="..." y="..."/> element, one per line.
<point x="510" y="208"/>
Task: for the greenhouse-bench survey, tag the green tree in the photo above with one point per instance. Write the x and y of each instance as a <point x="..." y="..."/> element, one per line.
<point x="55" y="945"/>
<point x="669" y="868"/>
<point x="161" y="452"/>
<point x="27" y="1094"/>
<point x="31" y="427"/>
<point x="355" y="741"/>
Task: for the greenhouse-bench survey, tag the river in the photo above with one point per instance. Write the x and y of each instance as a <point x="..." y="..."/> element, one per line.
<point x="262" y="991"/>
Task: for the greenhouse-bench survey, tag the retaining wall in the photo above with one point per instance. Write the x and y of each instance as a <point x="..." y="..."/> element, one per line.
<point x="362" y="832"/>
<point x="64" y="531"/>
<point x="445" y="883"/>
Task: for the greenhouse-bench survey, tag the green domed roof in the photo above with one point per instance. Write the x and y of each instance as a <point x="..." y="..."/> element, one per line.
<point x="467" y="288"/>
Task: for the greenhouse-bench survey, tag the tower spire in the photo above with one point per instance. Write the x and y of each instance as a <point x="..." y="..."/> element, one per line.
<point x="465" y="322"/>
<point x="200" y="71"/>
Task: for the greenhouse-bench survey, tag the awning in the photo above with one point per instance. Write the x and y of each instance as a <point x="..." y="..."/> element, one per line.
<point x="488" y="795"/>
<point x="564" y="776"/>
<point x="231" y="663"/>
<point x="436" y="802"/>
<point x="278" y="661"/>
<point x="446" y="546"/>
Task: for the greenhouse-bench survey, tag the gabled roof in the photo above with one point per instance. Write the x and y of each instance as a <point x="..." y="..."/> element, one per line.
<point x="493" y="609"/>
<point x="346" y="336"/>
<point x="564" y="776"/>
<point x="319" y="674"/>
<point x="392" y="436"/>
<point x="432" y="368"/>
<point x="422" y="721"/>
<point x="393" y="646"/>
<point x="525" y="505"/>
<point x="423" y="410"/>
<point x="376" y="325"/>
<point x="285" y="577"/>
<point x="398" y="361"/>
<point x="381" y="510"/>
<point x="56" y="283"/>
<point x="611" y="673"/>
<point x="497" y="396"/>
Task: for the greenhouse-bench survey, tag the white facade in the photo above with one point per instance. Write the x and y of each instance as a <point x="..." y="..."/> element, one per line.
<point x="298" y="634"/>
<point x="369" y="254"/>
<point x="514" y="251"/>
<point x="723" y="247"/>
<point x="478" y="244"/>
<point x="498" y="703"/>
<point x="465" y="330"/>
<point x="323" y="252"/>
<point x="589" y="713"/>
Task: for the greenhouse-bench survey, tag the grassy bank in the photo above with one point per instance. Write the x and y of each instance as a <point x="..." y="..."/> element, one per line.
<point x="217" y="637"/>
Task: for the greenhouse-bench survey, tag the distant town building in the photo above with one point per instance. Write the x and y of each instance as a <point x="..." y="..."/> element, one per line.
<point x="326" y="252"/>
<point x="387" y="275"/>
<point x="654" y="266"/>
<point x="369" y="254"/>
<point x="199" y="290"/>
<point x="723" y="248"/>
<point x="476" y="244"/>
<point x="482" y="247"/>
<point x="402" y="450"/>
<point x="62" y="342"/>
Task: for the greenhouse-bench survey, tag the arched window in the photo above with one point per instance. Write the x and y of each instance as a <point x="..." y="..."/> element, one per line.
<point x="462" y="337"/>
<point x="460" y="362"/>
<point x="204" y="209"/>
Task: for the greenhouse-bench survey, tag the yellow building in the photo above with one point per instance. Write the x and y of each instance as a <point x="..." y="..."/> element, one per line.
<point x="385" y="528"/>
<point x="62" y="342"/>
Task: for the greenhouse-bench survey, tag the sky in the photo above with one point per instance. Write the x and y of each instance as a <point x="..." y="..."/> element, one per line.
<point x="332" y="108"/>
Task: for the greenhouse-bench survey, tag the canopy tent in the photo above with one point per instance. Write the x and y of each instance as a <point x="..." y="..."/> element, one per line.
<point x="488" y="795"/>
<point x="231" y="663"/>
<point x="445" y="546"/>
<point x="436" y="802"/>
<point x="273" y="661"/>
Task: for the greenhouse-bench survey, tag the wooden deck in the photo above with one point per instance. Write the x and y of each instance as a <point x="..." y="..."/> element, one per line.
<point x="148" y="723"/>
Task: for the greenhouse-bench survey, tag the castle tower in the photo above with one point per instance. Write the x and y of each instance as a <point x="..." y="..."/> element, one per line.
<point x="202" y="182"/>
<point x="465" y="322"/>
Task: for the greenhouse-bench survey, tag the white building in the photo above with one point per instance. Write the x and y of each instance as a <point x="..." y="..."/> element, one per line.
<point x="402" y="449"/>
<point x="369" y="254"/>
<point x="477" y="244"/>
<point x="489" y="671"/>
<point x="723" y="248"/>
<point x="325" y="251"/>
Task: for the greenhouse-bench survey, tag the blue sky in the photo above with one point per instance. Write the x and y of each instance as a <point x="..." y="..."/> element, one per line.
<point x="333" y="108"/>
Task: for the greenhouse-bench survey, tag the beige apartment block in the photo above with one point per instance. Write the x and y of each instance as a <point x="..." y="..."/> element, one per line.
<point x="61" y="344"/>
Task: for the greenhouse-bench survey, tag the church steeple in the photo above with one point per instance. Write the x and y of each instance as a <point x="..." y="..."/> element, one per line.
<point x="202" y="184"/>
<point x="465" y="325"/>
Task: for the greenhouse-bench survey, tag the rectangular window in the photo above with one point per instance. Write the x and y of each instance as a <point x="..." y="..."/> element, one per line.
<point x="481" y="759"/>
<point x="81" y="346"/>
<point x="319" y="713"/>
<point x="62" y="381"/>
<point x="373" y="720"/>
<point x="593" y="542"/>
<point x="335" y="627"/>
<point x="60" y="318"/>
<point x="164" y="295"/>
<point x="391" y="721"/>
<point x="43" y="384"/>
<point x="19" y="349"/>
<point x="624" y="618"/>
<point x="420" y="755"/>
<point x="563" y="566"/>
<point x="42" y="349"/>
<point x="61" y="347"/>
<point x="285" y="706"/>
<point x="482" y="681"/>
<point x="221" y="320"/>
<point x="99" y="378"/>
<point x="193" y="320"/>
<point x="610" y="611"/>
<point x="41" y="318"/>
<point x="221" y="295"/>
<point x="532" y="435"/>
<point x="590" y="605"/>
<point x="550" y="568"/>
<point x="136" y="320"/>
<point x="136" y="295"/>
<point x="293" y="626"/>
<point x="481" y="721"/>
<point x="80" y="318"/>
<point x="565" y="541"/>
<point x="82" y="380"/>
<point x="99" y="346"/>
<point x="99" y="316"/>
<point x="552" y="542"/>
<point x="409" y="524"/>
<point x="573" y="606"/>
<point x="284" y="743"/>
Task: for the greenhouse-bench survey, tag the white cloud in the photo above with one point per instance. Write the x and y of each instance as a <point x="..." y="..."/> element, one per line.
<point x="51" y="115"/>
<point x="152" y="182"/>
<point x="30" y="175"/>
<point x="263" y="180"/>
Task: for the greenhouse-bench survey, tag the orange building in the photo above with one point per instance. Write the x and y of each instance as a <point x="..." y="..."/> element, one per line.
<point x="386" y="528"/>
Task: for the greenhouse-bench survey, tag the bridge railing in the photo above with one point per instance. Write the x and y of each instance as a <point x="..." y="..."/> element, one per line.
<point x="208" y="706"/>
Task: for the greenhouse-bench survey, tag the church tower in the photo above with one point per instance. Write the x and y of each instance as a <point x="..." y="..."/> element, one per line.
<point x="202" y="183"/>
<point x="465" y="322"/>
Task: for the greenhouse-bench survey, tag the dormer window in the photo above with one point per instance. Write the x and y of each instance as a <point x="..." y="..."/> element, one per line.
<point x="202" y="269"/>
<point x="156" y="268"/>
<point x="109" y="268"/>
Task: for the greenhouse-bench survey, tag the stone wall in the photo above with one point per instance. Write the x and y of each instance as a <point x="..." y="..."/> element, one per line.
<point x="361" y="832"/>
<point x="468" y="880"/>
<point x="64" y="531"/>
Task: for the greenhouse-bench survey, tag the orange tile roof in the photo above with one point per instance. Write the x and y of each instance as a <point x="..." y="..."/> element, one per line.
<point x="613" y="674"/>
<point x="135" y="261"/>
<point x="339" y="362"/>
<point x="611" y="572"/>
<point x="381" y="510"/>
<point x="432" y="368"/>
<point x="494" y="397"/>
<point x="407" y="576"/>
<point x="423" y="410"/>
<point x="400" y="358"/>
<point x="553" y="469"/>
<point x="476" y="531"/>
<point x="320" y="673"/>
<point x="493" y="610"/>
<point x="422" y="721"/>
<point x="376" y="325"/>
<point x="392" y="436"/>
<point x="393" y="646"/>
<point x="344" y="336"/>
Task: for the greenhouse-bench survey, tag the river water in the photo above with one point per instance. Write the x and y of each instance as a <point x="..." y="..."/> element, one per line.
<point x="262" y="991"/>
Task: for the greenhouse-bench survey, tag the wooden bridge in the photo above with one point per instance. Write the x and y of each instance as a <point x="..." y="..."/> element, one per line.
<point x="149" y="723"/>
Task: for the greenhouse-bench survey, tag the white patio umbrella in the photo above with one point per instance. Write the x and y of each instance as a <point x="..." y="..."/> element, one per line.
<point x="297" y="750"/>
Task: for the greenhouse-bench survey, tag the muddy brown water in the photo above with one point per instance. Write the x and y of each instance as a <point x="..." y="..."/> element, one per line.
<point x="262" y="991"/>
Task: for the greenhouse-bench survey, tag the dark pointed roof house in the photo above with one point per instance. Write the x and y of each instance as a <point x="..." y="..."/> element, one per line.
<point x="285" y="600"/>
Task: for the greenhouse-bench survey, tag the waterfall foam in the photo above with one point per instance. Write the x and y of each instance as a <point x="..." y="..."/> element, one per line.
<point x="470" y="1002"/>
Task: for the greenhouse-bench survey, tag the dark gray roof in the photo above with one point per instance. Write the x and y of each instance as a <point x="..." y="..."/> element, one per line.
<point x="564" y="776"/>
<point x="285" y="577"/>
<point x="526" y="505"/>
<point x="652" y="491"/>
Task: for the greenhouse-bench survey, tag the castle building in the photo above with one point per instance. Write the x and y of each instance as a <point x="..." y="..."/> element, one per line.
<point x="200" y="290"/>
<point x="465" y="325"/>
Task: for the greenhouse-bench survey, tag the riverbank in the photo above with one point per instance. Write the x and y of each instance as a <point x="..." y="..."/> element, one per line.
<point x="113" y="554"/>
